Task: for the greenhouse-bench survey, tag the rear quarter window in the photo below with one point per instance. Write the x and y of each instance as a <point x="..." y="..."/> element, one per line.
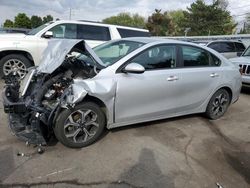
<point x="124" y="33"/>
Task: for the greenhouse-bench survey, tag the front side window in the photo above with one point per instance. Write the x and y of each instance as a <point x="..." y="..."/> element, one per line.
<point x="111" y="52"/>
<point x="67" y="31"/>
<point x="91" y="32"/>
<point x="194" y="57"/>
<point x="159" y="57"/>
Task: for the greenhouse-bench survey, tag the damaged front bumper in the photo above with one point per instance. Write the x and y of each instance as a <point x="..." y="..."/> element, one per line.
<point x="24" y="123"/>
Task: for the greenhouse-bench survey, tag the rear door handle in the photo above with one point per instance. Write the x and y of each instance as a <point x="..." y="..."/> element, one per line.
<point x="172" y="78"/>
<point x="213" y="75"/>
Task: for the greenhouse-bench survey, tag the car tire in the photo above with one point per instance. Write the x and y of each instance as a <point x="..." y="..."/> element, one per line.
<point x="18" y="60"/>
<point x="218" y="104"/>
<point x="67" y="125"/>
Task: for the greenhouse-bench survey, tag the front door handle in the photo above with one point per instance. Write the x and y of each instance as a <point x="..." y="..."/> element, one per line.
<point x="213" y="75"/>
<point x="172" y="78"/>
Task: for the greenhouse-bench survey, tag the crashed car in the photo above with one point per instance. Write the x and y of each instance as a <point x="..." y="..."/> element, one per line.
<point x="77" y="92"/>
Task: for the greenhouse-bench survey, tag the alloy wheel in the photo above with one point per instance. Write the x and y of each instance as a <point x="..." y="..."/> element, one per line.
<point x="81" y="126"/>
<point x="14" y="66"/>
<point x="220" y="104"/>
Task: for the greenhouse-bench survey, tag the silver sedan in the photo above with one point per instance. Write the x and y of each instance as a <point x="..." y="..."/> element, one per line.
<point x="130" y="81"/>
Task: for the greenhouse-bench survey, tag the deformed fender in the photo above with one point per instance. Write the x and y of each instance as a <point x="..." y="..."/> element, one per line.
<point x="103" y="89"/>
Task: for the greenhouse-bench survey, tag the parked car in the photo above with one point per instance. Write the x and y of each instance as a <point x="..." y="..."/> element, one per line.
<point x="19" y="51"/>
<point x="76" y="92"/>
<point x="244" y="64"/>
<point x="229" y="49"/>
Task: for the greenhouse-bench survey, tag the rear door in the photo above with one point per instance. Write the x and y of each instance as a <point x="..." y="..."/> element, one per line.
<point x="199" y="75"/>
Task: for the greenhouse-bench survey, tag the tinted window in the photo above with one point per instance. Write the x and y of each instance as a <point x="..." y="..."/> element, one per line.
<point x="194" y="57"/>
<point x="239" y="47"/>
<point x="215" y="46"/>
<point x="227" y="47"/>
<point x="91" y="32"/>
<point x="159" y="57"/>
<point x="67" y="31"/>
<point x="132" y="33"/>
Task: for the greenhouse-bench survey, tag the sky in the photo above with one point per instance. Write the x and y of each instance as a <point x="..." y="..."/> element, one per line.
<point x="97" y="10"/>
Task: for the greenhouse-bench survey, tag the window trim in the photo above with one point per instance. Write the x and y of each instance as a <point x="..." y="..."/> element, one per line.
<point x="121" y="67"/>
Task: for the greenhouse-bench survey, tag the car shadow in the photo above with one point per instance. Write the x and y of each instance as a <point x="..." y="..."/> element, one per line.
<point x="245" y="90"/>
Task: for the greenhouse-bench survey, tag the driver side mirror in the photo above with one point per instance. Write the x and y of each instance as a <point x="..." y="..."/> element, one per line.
<point x="134" y="68"/>
<point x="48" y="34"/>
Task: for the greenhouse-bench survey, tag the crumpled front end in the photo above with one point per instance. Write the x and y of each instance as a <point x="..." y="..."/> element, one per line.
<point x="34" y="103"/>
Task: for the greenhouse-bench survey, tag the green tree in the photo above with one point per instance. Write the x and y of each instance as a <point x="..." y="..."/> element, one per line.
<point x="160" y="24"/>
<point x="126" y="19"/>
<point x="8" y="23"/>
<point x="22" y="21"/>
<point x="208" y="19"/>
<point x="36" y="21"/>
<point x="47" y="18"/>
<point x="177" y="17"/>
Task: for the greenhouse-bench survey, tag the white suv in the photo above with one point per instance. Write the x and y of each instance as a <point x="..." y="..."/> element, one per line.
<point x="20" y="51"/>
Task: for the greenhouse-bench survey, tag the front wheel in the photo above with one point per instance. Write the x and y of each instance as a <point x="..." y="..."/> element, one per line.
<point x="80" y="126"/>
<point x="218" y="104"/>
<point x="14" y="63"/>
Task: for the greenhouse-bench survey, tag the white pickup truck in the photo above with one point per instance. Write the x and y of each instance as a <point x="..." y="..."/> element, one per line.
<point x="20" y="51"/>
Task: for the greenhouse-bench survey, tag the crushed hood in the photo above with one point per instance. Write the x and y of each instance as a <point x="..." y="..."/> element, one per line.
<point x="56" y="51"/>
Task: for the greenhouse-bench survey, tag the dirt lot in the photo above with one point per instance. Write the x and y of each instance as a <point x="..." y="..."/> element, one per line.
<point x="182" y="152"/>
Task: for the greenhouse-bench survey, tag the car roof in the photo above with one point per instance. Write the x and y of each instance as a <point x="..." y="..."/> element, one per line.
<point x="99" y="24"/>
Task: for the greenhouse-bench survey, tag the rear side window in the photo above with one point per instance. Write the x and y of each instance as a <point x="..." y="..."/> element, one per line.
<point x="227" y="47"/>
<point x="194" y="57"/>
<point x="239" y="47"/>
<point x="215" y="46"/>
<point x="91" y="32"/>
<point x="132" y="33"/>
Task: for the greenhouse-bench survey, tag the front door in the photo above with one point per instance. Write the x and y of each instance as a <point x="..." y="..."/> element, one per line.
<point x="151" y="94"/>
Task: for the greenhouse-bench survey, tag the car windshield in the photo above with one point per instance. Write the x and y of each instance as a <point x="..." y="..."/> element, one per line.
<point x="247" y="52"/>
<point x="111" y="52"/>
<point x="36" y="30"/>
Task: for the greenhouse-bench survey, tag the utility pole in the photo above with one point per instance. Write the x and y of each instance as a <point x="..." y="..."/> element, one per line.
<point x="70" y="13"/>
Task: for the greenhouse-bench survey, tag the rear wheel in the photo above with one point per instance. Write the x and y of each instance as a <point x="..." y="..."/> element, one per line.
<point x="14" y="63"/>
<point x="218" y="104"/>
<point x="80" y="126"/>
